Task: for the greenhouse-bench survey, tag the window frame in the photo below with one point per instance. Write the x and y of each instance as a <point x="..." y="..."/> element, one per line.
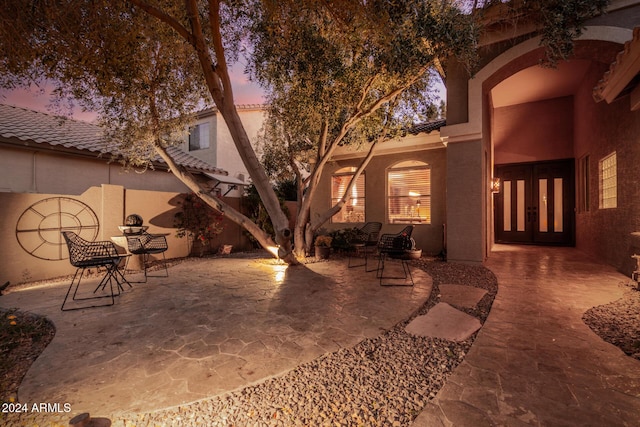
<point x="198" y="129"/>
<point x="342" y="217"/>
<point x="421" y="201"/>
<point x="584" y="173"/>
<point x="608" y="182"/>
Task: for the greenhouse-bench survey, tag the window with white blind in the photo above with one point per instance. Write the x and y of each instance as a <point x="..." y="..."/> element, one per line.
<point x="409" y="193"/>
<point x="353" y="211"/>
<point x="608" y="182"/>
<point x="199" y="137"/>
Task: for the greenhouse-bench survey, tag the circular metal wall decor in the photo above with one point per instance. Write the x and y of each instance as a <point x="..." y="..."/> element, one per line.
<point x="39" y="227"/>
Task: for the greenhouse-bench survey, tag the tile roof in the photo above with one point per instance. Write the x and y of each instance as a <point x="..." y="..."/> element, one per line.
<point x="626" y="63"/>
<point x="36" y="127"/>
<point x="427" y="127"/>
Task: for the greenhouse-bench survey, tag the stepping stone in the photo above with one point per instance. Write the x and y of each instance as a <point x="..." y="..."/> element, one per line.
<point x="444" y="321"/>
<point x="461" y="295"/>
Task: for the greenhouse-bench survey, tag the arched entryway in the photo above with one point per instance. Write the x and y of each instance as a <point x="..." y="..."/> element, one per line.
<point x="535" y="130"/>
<point x="556" y="119"/>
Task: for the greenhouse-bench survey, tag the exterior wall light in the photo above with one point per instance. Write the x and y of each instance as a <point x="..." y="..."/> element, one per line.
<point x="495" y="185"/>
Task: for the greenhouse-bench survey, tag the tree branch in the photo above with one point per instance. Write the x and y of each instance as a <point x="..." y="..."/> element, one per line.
<point x="346" y="196"/>
<point x="168" y="19"/>
<point x="209" y="69"/>
<point x="218" y="47"/>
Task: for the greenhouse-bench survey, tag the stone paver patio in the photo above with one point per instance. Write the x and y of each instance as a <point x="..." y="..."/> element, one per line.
<point x="212" y="326"/>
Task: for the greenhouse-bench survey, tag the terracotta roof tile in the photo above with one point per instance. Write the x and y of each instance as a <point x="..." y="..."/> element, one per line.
<point x="623" y="62"/>
<point x="427" y="127"/>
<point x="41" y="128"/>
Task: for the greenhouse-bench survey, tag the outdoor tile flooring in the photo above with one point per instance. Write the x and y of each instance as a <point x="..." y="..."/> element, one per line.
<point x="219" y="324"/>
<point x="212" y="326"/>
<point x="535" y="362"/>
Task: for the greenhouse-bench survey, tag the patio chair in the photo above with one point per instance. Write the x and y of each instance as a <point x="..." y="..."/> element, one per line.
<point x="146" y="244"/>
<point x="364" y="241"/>
<point x="395" y="246"/>
<point x="84" y="254"/>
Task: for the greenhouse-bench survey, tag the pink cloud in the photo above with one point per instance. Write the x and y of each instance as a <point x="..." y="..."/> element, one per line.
<point x="38" y="98"/>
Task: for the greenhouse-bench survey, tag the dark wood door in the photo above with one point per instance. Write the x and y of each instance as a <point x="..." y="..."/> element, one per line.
<point x="536" y="203"/>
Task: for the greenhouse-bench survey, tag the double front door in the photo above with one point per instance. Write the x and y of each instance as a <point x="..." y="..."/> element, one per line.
<point x="535" y="203"/>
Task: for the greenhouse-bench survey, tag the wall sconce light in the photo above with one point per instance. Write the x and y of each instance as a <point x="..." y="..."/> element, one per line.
<point x="495" y="185"/>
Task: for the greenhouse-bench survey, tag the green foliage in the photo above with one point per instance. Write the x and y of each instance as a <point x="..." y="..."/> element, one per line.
<point x="337" y="65"/>
<point x="347" y="73"/>
<point x="110" y="57"/>
<point x="323" y="241"/>
<point x="559" y="22"/>
<point x="562" y="21"/>
<point x="336" y="73"/>
<point x="287" y="189"/>
<point x="342" y="238"/>
<point x="19" y="334"/>
<point x="197" y="220"/>
<point x="254" y="209"/>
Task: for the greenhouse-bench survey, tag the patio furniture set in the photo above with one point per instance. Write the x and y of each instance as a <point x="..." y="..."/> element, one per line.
<point x="84" y="254"/>
<point x="368" y="242"/>
<point x="104" y="255"/>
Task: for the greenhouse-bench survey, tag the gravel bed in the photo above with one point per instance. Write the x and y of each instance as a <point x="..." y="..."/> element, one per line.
<point x="618" y="322"/>
<point x="386" y="380"/>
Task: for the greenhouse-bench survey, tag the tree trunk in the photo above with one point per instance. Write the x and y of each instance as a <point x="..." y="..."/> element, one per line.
<point x="229" y="212"/>
<point x="216" y="74"/>
<point x="261" y="182"/>
<point x="306" y="226"/>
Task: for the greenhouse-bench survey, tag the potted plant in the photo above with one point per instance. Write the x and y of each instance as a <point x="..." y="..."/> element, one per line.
<point x="411" y="252"/>
<point x="198" y="222"/>
<point x="323" y="246"/>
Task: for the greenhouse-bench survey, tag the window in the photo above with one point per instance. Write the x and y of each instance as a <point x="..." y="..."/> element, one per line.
<point x="199" y="137"/>
<point x="583" y="184"/>
<point x="409" y="193"/>
<point x="353" y="211"/>
<point x="608" y="182"/>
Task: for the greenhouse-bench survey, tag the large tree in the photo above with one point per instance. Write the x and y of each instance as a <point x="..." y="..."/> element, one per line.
<point x="356" y="74"/>
<point x="359" y="72"/>
<point x="147" y="65"/>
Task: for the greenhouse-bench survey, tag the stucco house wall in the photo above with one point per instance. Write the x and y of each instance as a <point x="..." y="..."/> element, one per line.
<point x="540" y="130"/>
<point x="222" y="151"/>
<point x="36" y="171"/>
<point x="565" y="125"/>
<point x="33" y="248"/>
<point x="58" y="175"/>
<point x="421" y="147"/>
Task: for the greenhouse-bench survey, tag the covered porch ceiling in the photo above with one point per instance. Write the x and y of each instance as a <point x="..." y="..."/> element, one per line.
<point x="538" y="83"/>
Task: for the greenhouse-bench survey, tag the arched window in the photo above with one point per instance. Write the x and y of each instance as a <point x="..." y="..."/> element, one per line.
<point x="353" y="211"/>
<point x="409" y="193"/>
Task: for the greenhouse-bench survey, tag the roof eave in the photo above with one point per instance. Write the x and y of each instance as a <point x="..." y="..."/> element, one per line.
<point x="622" y="72"/>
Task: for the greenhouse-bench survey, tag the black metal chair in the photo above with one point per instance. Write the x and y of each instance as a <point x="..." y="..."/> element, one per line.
<point x="146" y="244"/>
<point x="84" y="254"/>
<point x="364" y="241"/>
<point x="395" y="246"/>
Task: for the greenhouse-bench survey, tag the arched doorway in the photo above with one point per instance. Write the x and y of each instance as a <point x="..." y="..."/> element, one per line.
<point x="472" y="126"/>
<point x="531" y="118"/>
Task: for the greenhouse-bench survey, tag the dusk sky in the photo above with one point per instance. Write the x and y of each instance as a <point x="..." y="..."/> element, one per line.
<point x="245" y="92"/>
